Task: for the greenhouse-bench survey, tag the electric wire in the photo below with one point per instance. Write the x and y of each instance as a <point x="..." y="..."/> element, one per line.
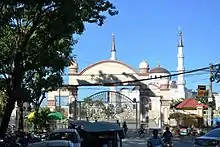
<point x="145" y="79"/>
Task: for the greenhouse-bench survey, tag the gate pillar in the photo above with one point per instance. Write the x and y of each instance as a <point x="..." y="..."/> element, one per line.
<point x="73" y="97"/>
<point x="144" y="103"/>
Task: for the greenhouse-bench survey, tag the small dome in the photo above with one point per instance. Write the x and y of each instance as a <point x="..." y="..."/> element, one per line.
<point x="73" y="64"/>
<point x="143" y="65"/>
<point x="73" y="68"/>
<point x="159" y="70"/>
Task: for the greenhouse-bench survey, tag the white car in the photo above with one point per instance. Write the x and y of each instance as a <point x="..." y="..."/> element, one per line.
<point x="66" y="134"/>
<point x="53" y="143"/>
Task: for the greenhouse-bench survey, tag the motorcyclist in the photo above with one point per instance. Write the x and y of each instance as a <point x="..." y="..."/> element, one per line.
<point x="167" y="135"/>
<point x="217" y="124"/>
<point x="155" y="140"/>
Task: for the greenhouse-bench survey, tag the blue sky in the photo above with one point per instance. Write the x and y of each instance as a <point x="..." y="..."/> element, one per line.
<point x="148" y="30"/>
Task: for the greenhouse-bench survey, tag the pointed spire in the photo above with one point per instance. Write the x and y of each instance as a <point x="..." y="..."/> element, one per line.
<point x="181" y="38"/>
<point x="113" y="50"/>
<point x="113" y="42"/>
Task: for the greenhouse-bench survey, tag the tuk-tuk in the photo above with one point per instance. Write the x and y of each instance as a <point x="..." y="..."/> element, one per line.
<point x="98" y="134"/>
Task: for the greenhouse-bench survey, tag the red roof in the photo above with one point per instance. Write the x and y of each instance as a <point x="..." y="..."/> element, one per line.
<point x="190" y="103"/>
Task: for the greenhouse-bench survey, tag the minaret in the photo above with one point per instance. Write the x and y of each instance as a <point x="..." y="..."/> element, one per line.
<point x="113" y="50"/>
<point x="113" y="98"/>
<point x="180" y="68"/>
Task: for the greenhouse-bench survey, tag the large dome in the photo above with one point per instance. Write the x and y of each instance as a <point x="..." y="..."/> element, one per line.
<point x="143" y="65"/>
<point x="159" y="70"/>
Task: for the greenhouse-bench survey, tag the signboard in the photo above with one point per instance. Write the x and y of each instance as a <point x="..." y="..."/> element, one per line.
<point x="201" y="92"/>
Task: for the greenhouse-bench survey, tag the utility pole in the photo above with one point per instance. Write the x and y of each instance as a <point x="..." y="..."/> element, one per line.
<point x="210" y="98"/>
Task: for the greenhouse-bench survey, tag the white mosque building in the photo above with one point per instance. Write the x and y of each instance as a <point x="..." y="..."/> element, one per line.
<point x="157" y="96"/>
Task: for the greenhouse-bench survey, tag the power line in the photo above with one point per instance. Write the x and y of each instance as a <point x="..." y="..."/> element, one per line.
<point x="118" y="74"/>
<point x="146" y="79"/>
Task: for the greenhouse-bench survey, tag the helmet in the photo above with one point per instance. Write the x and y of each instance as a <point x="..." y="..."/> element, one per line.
<point x="155" y="132"/>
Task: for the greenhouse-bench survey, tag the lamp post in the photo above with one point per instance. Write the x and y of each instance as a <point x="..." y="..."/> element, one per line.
<point x="59" y="100"/>
<point x="136" y="108"/>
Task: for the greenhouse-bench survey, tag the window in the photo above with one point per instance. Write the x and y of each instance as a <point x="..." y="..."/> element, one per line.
<point x="72" y="136"/>
<point x="62" y="101"/>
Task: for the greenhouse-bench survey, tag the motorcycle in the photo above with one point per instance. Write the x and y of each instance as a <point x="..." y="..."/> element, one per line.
<point x="168" y="143"/>
<point x="141" y="133"/>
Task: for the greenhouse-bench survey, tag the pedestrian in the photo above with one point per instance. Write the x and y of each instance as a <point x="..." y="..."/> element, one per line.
<point x="125" y="127"/>
<point x="117" y="121"/>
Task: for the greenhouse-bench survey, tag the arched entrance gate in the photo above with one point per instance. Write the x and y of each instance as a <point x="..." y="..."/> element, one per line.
<point x="110" y="106"/>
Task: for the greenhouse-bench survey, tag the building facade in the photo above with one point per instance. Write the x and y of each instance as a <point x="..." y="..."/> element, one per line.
<point x="153" y="96"/>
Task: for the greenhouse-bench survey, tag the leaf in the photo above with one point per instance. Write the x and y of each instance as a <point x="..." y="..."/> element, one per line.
<point x="36" y="44"/>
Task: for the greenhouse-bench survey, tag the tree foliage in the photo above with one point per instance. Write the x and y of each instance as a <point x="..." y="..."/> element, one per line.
<point x="2" y="103"/>
<point x="183" y="119"/>
<point x="41" y="121"/>
<point x="90" y="106"/>
<point x="36" y="44"/>
<point x="175" y="102"/>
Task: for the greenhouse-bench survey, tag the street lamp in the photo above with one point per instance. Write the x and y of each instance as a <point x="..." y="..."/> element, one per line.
<point x="136" y="108"/>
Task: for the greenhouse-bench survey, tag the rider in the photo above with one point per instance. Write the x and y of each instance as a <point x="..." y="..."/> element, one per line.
<point x="155" y="140"/>
<point x="217" y="124"/>
<point x="167" y="135"/>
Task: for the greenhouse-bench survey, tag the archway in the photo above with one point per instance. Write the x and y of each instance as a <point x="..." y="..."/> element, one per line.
<point x="111" y="106"/>
<point x="104" y="73"/>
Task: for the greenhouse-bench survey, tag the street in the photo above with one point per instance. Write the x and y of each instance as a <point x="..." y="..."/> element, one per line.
<point x="137" y="142"/>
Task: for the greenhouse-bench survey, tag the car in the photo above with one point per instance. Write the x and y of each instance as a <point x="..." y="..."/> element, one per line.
<point x="66" y="134"/>
<point x="210" y="139"/>
<point x="183" y="132"/>
<point x="52" y="143"/>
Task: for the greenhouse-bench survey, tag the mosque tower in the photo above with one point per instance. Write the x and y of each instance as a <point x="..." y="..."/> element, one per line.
<point x="180" y="69"/>
<point x="113" y="98"/>
<point x="113" y="50"/>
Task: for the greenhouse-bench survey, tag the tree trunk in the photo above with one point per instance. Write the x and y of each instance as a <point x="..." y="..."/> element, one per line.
<point x="36" y="117"/>
<point x="21" y="118"/>
<point x="6" y="117"/>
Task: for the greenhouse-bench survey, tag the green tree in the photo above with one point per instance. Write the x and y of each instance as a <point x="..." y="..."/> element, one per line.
<point x="175" y="102"/>
<point x="36" y="35"/>
<point x="204" y="99"/>
<point x="109" y="111"/>
<point x="37" y="83"/>
<point x="40" y="122"/>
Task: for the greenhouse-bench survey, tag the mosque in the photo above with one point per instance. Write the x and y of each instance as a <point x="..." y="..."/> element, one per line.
<point x="162" y="88"/>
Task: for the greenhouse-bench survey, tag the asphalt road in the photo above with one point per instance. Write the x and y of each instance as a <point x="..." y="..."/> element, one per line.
<point x="178" y="142"/>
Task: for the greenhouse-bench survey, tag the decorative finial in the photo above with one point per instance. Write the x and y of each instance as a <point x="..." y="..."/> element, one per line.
<point x="158" y="63"/>
<point x="179" y="28"/>
<point x="113" y="42"/>
<point x="113" y="36"/>
<point x="181" y="38"/>
<point x="113" y="49"/>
